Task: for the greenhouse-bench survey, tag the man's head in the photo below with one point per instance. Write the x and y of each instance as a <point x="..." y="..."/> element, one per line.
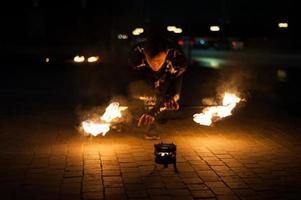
<point x="155" y="52"/>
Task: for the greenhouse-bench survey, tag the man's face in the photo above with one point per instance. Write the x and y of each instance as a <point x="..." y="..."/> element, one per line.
<point x="156" y="62"/>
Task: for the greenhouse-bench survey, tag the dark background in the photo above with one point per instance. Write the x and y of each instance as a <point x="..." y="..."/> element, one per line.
<point x="32" y="30"/>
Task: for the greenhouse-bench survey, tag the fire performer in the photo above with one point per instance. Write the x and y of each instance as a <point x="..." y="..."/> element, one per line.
<point x="157" y="65"/>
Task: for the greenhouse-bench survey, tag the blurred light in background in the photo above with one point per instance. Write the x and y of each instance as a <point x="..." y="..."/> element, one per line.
<point x="202" y="42"/>
<point x="122" y="36"/>
<point x="93" y="59"/>
<point x="181" y="42"/>
<point x="47" y="60"/>
<point x="174" y="29"/>
<point x="215" y="28"/>
<point x="171" y="28"/>
<point x="178" y="30"/>
<point x="137" y="31"/>
<point x="281" y="75"/>
<point x="283" y="25"/>
<point x="214" y="63"/>
<point x="79" y="59"/>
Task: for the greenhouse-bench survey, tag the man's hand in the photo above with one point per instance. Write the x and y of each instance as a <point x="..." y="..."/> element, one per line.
<point x="172" y="105"/>
<point x="146" y="119"/>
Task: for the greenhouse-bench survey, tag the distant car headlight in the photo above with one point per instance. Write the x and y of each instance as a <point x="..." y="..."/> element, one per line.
<point x="92" y="59"/>
<point x="79" y="59"/>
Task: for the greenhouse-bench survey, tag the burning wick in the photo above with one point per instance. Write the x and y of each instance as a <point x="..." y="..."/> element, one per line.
<point x="102" y="126"/>
<point x="215" y="113"/>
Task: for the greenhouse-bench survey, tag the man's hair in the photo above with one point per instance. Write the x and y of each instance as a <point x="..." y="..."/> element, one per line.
<point x="155" y="45"/>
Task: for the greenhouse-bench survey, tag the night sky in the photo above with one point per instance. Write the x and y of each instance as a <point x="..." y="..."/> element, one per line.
<point x="42" y="20"/>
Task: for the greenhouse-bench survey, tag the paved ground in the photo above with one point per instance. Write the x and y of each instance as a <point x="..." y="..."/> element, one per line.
<point x="250" y="157"/>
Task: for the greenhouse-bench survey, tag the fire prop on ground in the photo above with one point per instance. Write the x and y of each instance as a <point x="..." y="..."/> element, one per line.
<point x="212" y="114"/>
<point x="103" y="123"/>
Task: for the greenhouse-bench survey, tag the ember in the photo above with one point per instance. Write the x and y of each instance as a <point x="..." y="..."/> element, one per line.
<point x="215" y="113"/>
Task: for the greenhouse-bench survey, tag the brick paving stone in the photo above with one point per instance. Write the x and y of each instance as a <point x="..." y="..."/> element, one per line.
<point x="232" y="163"/>
<point x="71" y="188"/>
<point x="154" y="182"/>
<point x="202" y="194"/>
<point x="92" y="188"/>
<point x="178" y="192"/>
<point x="161" y="198"/>
<point x="220" y="168"/>
<point x="112" y="179"/>
<point x="111" y="184"/>
<point x="222" y="190"/>
<point x="128" y="165"/>
<point x="244" y="192"/>
<point x="224" y="156"/>
<point x="175" y="185"/>
<point x="194" y="180"/>
<point x="215" y="184"/>
<point x="131" y="175"/>
<point x="136" y="193"/>
<point x="112" y="192"/>
<point x="70" y="196"/>
<point x="197" y="187"/>
<point x="182" y="198"/>
<point x="132" y="180"/>
<point x="110" y="167"/>
<point x="192" y="174"/>
<point x="225" y="173"/>
<point x="208" y="176"/>
<point x="157" y="192"/>
<point x="93" y="195"/>
<point x="228" y="161"/>
<point x="243" y="172"/>
<point x="133" y="170"/>
<point x="234" y="182"/>
<point x="227" y="197"/>
<point x="136" y="186"/>
<point x="72" y="180"/>
<point x="111" y="173"/>
<point x="184" y="167"/>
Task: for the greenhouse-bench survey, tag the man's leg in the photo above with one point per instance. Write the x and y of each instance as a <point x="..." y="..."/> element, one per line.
<point x="152" y="132"/>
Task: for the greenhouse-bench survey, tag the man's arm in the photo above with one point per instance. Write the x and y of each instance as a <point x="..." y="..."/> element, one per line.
<point x="177" y="67"/>
<point x="136" y="63"/>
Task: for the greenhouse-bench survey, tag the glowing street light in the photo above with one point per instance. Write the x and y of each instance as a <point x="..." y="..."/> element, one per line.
<point x="137" y="31"/>
<point x="283" y="25"/>
<point x="178" y="30"/>
<point x="171" y="28"/>
<point x="79" y="59"/>
<point x="122" y="36"/>
<point x="93" y="59"/>
<point x="174" y="29"/>
<point x="215" y="28"/>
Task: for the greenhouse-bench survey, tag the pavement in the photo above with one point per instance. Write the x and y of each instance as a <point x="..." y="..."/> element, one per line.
<point x="246" y="156"/>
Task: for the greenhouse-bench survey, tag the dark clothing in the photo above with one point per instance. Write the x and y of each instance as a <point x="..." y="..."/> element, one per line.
<point x="159" y="86"/>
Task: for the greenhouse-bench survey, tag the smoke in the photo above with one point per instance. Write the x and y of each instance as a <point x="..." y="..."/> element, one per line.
<point x="235" y="80"/>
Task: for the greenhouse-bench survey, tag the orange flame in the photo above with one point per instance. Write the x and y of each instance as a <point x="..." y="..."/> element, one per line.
<point x="94" y="128"/>
<point x="215" y="113"/>
<point x="102" y="125"/>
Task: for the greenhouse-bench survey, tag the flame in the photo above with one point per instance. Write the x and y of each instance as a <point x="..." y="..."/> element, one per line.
<point x="112" y="111"/>
<point x="95" y="128"/>
<point x="102" y="125"/>
<point x="214" y="113"/>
